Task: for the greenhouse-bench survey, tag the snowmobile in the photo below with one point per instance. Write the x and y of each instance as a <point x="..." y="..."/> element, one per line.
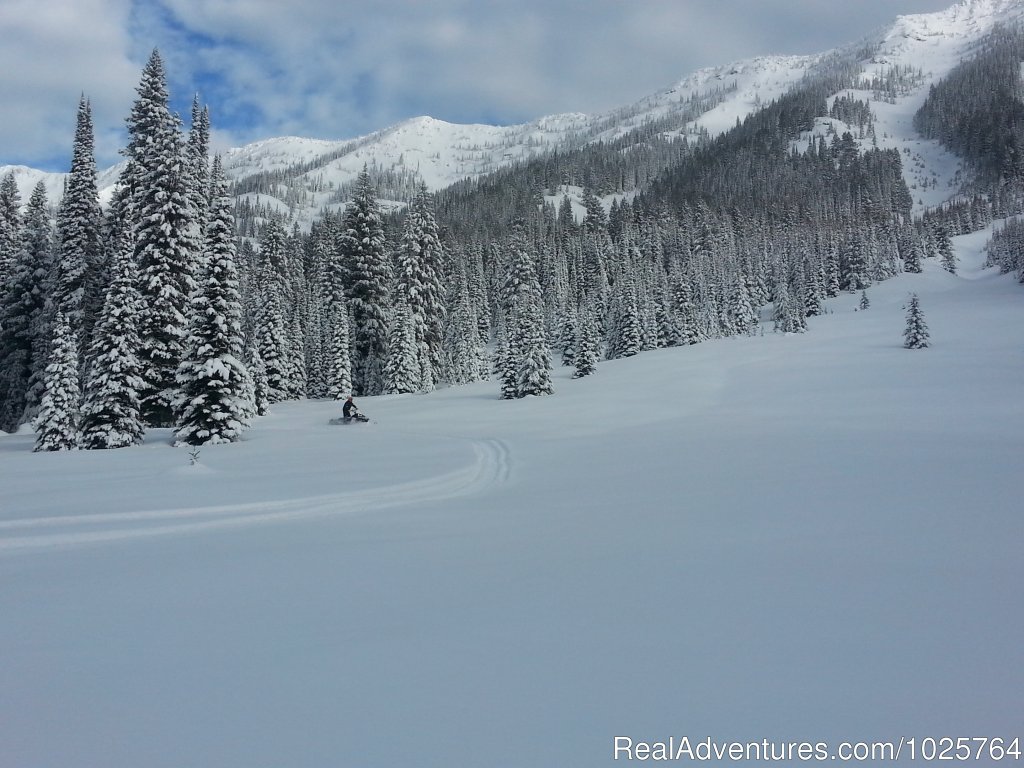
<point x="356" y="416"/>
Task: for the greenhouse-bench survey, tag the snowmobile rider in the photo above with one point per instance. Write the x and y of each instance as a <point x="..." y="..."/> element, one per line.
<point x="349" y="409"/>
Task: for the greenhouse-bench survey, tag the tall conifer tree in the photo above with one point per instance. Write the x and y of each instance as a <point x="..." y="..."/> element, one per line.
<point x="165" y="232"/>
<point x="79" y="275"/>
<point x="56" y="424"/>
<point x="367" y="269"/>
<point x="111" y="410"/>
<point x="10" y="225"/>
<point x="215" y="387"/>
<point x="420" y="259"/>
<point x="24" y="317"/>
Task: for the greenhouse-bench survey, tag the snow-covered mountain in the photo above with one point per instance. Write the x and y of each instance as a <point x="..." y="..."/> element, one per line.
<point x="304" y="175"/>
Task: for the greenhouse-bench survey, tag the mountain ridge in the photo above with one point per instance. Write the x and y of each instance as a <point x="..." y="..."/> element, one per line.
<point x="709" y="101"/>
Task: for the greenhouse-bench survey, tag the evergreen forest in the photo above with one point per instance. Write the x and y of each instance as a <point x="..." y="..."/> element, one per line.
<point x="181" y="305"/>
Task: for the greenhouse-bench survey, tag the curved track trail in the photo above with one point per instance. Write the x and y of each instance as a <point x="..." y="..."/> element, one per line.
<point x="490" y="466"/>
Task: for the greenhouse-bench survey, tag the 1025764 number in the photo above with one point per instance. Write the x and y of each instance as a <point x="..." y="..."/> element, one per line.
<point x="964" y="748"/>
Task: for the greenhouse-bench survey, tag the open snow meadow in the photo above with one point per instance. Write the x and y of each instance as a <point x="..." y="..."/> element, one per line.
<point x="810" y="537"/>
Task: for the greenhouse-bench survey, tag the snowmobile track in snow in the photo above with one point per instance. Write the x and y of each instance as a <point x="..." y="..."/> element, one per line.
<point x="491" y="466"/>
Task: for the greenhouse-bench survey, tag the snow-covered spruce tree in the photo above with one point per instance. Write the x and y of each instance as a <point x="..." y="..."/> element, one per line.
<point x="197" y="164"/>
<point x="739" y="307"/>
<point x="568" y="335"/>
<point x="786" y="312"/>
<point x="214" y="386"/>
<point x="949" y="261"/>
<point x="78" y="274"/>
<point x="463" y="352"/>
<point x="339" y="361"/>
<point x="686" y="310"/>
<point x="24" y="318"/>
<point x="313" y="342"/>
<point x="853" y="263"/>
<point x="624" y="331"/>
<point x="402" y="371"/>
<point x="111" y="410"/>
<point x="913" y="255"/>
<point x="269" y="320"/>
<point x="460" y="347"/>
<point x="506" y="366"/>
<point x="56" y="424"/>
<point x="258" y="376"/>
<point x="418" y="284"/>
<point x="10" y="225"/>
<point x="367" y="270"/>
<point x="947" y="254"/>
<point x="865" y="302"/>
<point x="165" y="231"/>
<point x="668" y="328"/>
<point x="524" y="310"/>
<point x="813" y="290"/>
<point x="337" y="323"/>
<point x="916" y="334"/>
<point x="585" y="359"/>
<point x="534" y="374"/>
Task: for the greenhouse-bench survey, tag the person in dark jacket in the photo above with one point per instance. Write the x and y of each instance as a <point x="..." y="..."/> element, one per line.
<point x="349" y="409"/>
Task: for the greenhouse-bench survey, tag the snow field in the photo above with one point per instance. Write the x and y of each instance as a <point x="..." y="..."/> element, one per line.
<point x="811" y="537"/>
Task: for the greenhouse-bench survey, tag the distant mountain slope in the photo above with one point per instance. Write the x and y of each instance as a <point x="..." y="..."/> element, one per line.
<point x="303" y="176"/>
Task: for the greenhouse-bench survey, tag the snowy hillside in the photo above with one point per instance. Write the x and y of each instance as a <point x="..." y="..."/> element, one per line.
<point x="930" y="45"/>
<point x="790" y="537"/>
<point x="313" y="173"/>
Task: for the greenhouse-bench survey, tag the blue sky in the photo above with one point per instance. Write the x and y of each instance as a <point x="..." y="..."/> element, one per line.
<point x="337" y="69"/>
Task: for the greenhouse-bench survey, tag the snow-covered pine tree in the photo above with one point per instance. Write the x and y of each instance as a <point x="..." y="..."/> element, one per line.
<point x="367" y="268"/>
<point x="315" y="349"/>
<point x="56" y="424"/>
<point x="528" y="352"/>
<point x="865" y="302"/>
<point x="913" y="255"/>
<point x="568" y="336"/>
<point x="213" y="381"/>
<point x="296" y="309"/>
<point x="79" y="274"/>
<point x="915" y="336"/>
<point x="946" y="253"/>
<point x="686" y="310"/>
<point x="419" y="264"/>
<point x="165" y="231"/>
<point x="624" y="331"/>
<point x="111" y="409"/>
<point x="24" y="318"/>
<point x="786" y="313"/>
<point x="10" y="225"/>
<point x="740" y="308"/>
<point x="534" y="374"/>
<point x="337" y="342"/>
<point x="813" y="290"/>
<point x="462" y="350"/>
<point x="269" y="319"/>
<point x="402" y="372"/>
<point x="197" y="164"/>
<point x="339" y="361"/>
<point x="258" y="376"/>
<point x="585" y="359"/>
<point x="668" y="328"/>
<point x="853" y="263"/>
<point x="506" y="366"/>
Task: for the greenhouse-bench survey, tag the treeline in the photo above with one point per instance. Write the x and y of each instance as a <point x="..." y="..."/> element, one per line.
<point x="114" y="321"/>
<point x="177" y="308"/>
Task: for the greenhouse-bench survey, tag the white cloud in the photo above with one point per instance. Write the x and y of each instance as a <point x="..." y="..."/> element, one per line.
<point x="339" y="68"/>
<point x="52" y="53"/>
